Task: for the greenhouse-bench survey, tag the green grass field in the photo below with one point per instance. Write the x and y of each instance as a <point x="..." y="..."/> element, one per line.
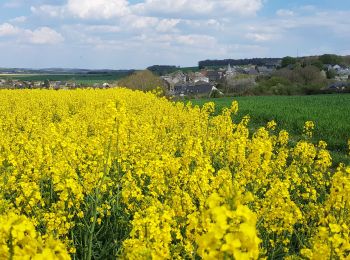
<point x="331" y="114"/>
<point x="86" y="79"/>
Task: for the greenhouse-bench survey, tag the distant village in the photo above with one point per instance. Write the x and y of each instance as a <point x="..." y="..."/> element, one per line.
<point x="46" y="84"/>
<point x="270" y="77"/>
<point x="57" y="78"/>
<point x="206" y="81"/>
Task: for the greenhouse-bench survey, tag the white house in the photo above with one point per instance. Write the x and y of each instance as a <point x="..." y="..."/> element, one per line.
<point x="200" y="77"/>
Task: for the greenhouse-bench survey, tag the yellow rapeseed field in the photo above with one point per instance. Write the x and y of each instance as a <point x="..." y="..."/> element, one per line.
<point x="105" y="174"/>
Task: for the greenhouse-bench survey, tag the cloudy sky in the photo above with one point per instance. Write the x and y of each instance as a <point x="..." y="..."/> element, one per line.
<point x="122" y="34"/>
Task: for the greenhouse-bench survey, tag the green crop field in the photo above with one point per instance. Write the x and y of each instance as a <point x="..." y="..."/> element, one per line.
<point x="330" y="113"/>
<point x="88" y="79"/>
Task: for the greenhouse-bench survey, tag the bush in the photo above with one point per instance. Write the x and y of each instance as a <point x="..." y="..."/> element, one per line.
<point x="216" y="93"/>
<point x="239" y="84"/>
<point x="286" y="61"/>
<point x="275" y="86"/>
<point x="142" y="80"/>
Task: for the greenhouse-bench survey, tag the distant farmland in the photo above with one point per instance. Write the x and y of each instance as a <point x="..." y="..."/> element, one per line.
<point x="87" y="79"/>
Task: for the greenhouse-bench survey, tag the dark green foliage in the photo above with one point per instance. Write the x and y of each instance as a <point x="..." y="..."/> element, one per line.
<point x="318" y="64"/>
<point x="275" y="86"/>
<point x="238" y="62"/>
<point x="331" y="74"/>
<point x="311" y="61"/>
<point x="162" y="70"/>
<point x="300" y="80"/>
<point x="308" y="75"/>
<point x="331" y="59"/>
<point x="46" y="83"/>
<point x="286" y="61"/>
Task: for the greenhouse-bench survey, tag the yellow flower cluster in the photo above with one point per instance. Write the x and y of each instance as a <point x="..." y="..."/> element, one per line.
<point x="19" y="240"/>
<point x="309" y="126"/>
<point x="101" y="173"/>
<point x="331" y="239"/>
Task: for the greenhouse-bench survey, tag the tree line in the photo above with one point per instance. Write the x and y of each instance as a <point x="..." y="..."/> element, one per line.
<point x="237" y="62"/>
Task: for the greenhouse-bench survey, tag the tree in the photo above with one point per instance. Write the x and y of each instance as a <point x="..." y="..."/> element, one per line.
<point x="285" y="73"/>
<point x="312" y="60"/>
<point x="331" y="74"/>
<point x="143" y="80"/>
<point x="162" y="70"/>
<point x="286" y="61"/>
<point x="331" y="59"/>
<point x="274" y="86"/>
<point x="309" y="75"/>
<point x="238" y="85"/>
<point x="346" y="60"/>
<point x="46" y="83"/>
<point x="318" y="64"/>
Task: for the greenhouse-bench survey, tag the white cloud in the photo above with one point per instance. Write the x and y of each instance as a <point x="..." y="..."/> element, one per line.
<point x="102" y="28"/>
<point x="213" y="22"/>
<point x="100" y="9"/>
<point x="334" y="21"/>
<point x="85" y="9"/>
<point x="308" y="8"/>
<point x="43" y="35"/>
<point x="19" y="19"/>
<point x="140" y="22"/>
<point x="284" y="12"/>
<point x="7" y="29"/>
<point x="133" y="23"/>
<point x="166" y="25"/>
<point x="167" y="12"/>
<point x="243" y="7"/>
<point x="190" y="8"/>
<point x="178" y="30"/>
<point x="264" y="31"/>
<point x="50" y="10"/>
<point x="259" y="37"/>
<point x="13" y="3"/>
<point x="196" y="40"/>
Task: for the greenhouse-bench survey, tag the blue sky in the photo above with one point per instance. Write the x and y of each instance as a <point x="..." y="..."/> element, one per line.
<point x="121" y="34"/>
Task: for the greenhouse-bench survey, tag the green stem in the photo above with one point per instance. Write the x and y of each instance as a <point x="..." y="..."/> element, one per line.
<point x="10" y="245"/>
<point x="92" y="230"/>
